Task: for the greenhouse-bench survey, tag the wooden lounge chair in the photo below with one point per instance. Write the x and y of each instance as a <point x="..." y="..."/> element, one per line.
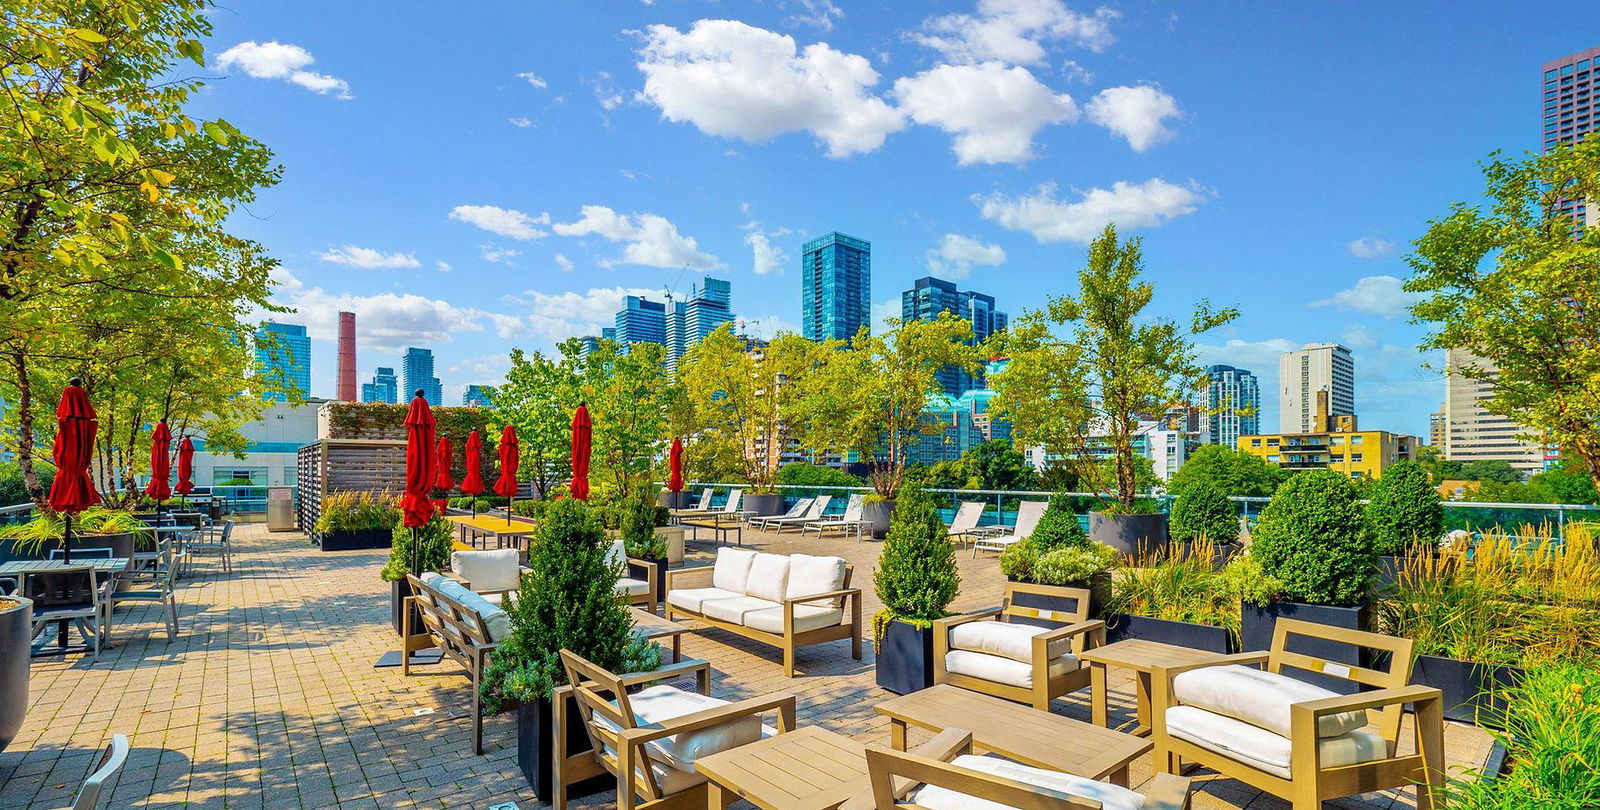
<point x="1293" y="739"/>
<point x="814" y="512"/>
<point x="943" y="774"/>
<point x="1028" y="514"/>
<point x="649" y="739"/>
<point x="463" y="625"/>
<point x="799" y="508"/>
<point x="1014" y="660"/>
<point x="851" y="519"/>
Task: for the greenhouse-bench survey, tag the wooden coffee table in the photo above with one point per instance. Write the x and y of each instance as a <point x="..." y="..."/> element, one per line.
<point x="1018" y="732"/>
<point x="656" y="628"/>
<point x="809" y="768"/>
<point x="1142" y="657"/>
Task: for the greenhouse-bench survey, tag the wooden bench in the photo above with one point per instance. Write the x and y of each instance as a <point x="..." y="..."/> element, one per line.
<point x="459" y="631"/>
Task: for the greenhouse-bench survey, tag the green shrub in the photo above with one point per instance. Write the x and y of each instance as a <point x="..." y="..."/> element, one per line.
<point x="1311" y="539"/>
<point x="567" y="601"/>
<point x="433" y="542"/>
<point x="13" y="490"/>
<point x="1405" y="509"/>
<point x="530" y="508"/>
<point x="638" y="522"/>
<point x="1202" y="511"/>
<point x="1074" y="565"/>
<point x="1058" y="527"/>
<point x="806" y="474"/>
<point x="48" y="527"/>
<point x="1552" y="736"/>
<point x="357" y="512"/>
<point x="1017" y="561"/>
<point x="916" y="577"/>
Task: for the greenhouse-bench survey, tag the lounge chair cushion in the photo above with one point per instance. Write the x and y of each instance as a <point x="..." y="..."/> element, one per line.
<point x="806" y="617"/>
<point x="1110" y="797"/>
<point x="632" y="587"/>
<point x="1000" y="669"/>
<point x="493" y="570"/>
<point x="495" y="620"/>
<point x="617" y="555"/>
<point x="695" y="599"/>
<point x="1259" y="698"/>
<point x="809" y="575"/>
<point x="1014" y="641"/>
<point x="733" y="611"/>
<point x="1260" y="748"/>
<point x="658" y="704"/>
<point x="769" y="577"/>
<point x="732" y="569"/>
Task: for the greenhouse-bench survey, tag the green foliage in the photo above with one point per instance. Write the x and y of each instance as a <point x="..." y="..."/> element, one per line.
<point x="1552" y="736"/>
<point x="47" y="526"/>
<point x="1403" y="509"/>
<point x="14" y="490"/>
<point x="638" y="518"/>
<point x="1058" y="527"/>
<point x="1310" y="537"/>
<point x="1187" y="587"/>
<point x="806" y="474"/>
<point x="1201" y="511"/>
<point x="1074" y="565"/>
<point x="535" y="509"/>
<point x="916" y="577"/>
<point x="357" y="511"/>
<point x="1245" y="580"/>
<point x="736" y="399"/>
<point x="1232" y="472"/>
<point x="998" y="464"/>
<point x="433" y="545"/>
<point x="483" y="502"/>
<point x="567" y="601"/>
<point x="537" y="398"/>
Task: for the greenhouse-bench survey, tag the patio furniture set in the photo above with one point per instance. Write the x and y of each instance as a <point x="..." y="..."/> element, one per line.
<point x="805" y="514"/>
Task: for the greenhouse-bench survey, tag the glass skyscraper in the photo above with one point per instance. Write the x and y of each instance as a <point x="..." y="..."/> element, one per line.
<point x="385" y="387"/>
<point x="284" y="351"/>
<point x="1571" y="85"/>
<point x="688" y="322"/>
<point x="930" y="296"/>
<point x="835" y="286"/>
<point x="1230" y="406"/>
<point x="476" y="395"/>
<point x="591" y="343"/>
<point x="417" y="367"/>
<point x="640" y="321"/>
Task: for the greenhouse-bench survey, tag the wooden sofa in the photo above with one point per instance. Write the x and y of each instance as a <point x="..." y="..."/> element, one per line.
<point x="989" y="651"/>
<point x="788" y="601"/>
<point x="463" y="625"/>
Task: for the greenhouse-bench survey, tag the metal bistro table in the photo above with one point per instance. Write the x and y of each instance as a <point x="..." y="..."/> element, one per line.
<point x="23" y="568"/>
<point x="179" y="533"/>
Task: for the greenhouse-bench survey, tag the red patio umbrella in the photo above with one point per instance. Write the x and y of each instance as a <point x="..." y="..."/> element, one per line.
<point x="582" y="437"/>
<point x="675" y="464"/>
<point x="441" y="475"/>
<point x="415" y="507"/>
<point x="506" y="485"/>
<point x="472" y="484"/>
<point x="185" y="469"/>
<point x="160" y="464"/>
<point x="72" y="491"/>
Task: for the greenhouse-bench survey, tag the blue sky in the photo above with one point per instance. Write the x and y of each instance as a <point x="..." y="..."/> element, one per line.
<point x="480" y="176"/>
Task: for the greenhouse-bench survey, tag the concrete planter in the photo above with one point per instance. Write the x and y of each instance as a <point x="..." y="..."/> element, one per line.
<point x="674" y="500"/>
<point x="359" y="539"/>
<point x="1130" y="535"/>
<point x="16" y="631"/>
<point x="904" y="663"/>
<point x="1258" y="622"/>
<point x="877" y="515"/>
<point x="761" y="504"/>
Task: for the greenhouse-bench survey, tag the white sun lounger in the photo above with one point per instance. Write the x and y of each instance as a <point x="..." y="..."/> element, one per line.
<point x="1028" y="514"/>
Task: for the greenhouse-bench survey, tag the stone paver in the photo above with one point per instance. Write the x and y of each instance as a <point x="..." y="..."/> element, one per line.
<point x="268" y="698"/>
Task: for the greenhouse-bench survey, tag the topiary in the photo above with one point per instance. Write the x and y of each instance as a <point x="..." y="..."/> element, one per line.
<point x="916" y="578"/>
<point x="1202" y="511"/>
<point x="567" y="601"/>
<point x="433" y="542"/>
<point x="1058" y="527"/>
<point x="1405" y="509"/>
<point x="1311" y="539"/>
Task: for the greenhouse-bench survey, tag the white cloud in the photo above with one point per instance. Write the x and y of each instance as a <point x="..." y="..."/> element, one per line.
<point x="564" y="263"/>
<point x="503" y="221"/>
<point x="819" y="13"/>
<point x="1370" y="248"/>
<point x="956" y="255"/>
<point x="992" y="110"/>
<point x="1074" y="72"/>
<point x="497" y="254"/>
<point x="1374" y="295"/>
<point x="649" y="239"/>
<point x="387" y="321"/>
<point x="1138" y="114"/>
<point x="444" y="267"/>
<point x="558" y="316"/>
<point x="1258" y="356"/>
<point x="882" y="311"/>
<point x="533" y="78"/>
<point x="1015" y="31"/>
<point x="1128" y="205"/>
<point x="767" y="327"/>
<point x="521" y="121"/>
<point x="765" y="257"/>
<point x="367" y="258"/>
<point x="734" y="80"/>
<point x="278" y="60"/>
<point x="605" y="92"/>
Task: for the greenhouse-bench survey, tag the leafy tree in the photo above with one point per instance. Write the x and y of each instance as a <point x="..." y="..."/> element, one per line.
<point x="538" y="398"/>
<point x="12" y="489"/>
<point x="1116" y="364"/>
<point x="1496" y="470"/>
<point x="1404" y="509"/>
<point x="1567" y="484"/>
<point x="1517" y="287"/>
<point x="432" y="546"/>
<point x="1201" y="511"/>
<point x="997" y="464"/>
<point x="1058" y="527"/>
<point x="916" y="577"/>
<point x="866" y="397"/>
<point x="1431" y="459"/>
<point x="739" y="399"/>
<point x="1232" y="472"/>
<point x="1311" y="539"/>
<point x="806" y="474"/>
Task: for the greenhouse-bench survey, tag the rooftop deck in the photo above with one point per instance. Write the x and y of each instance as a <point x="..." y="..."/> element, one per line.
<point x="269" y="699"/>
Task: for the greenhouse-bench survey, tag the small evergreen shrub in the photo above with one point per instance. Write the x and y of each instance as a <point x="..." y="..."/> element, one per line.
<point x="1017" y="561"/>
<point x="433" y="541"/>
<point x="1404" y="509"/>
<point x="1311" y="539"/>
<point x="1058" y="527"/>
<point x="1074" y="565"/>
<point x="916" y="577"/>
<point x="1202" y="512"/>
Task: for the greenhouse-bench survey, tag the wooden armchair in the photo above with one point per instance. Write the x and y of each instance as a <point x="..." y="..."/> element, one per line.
<point x="1295" y="740"/>
<point x="1016" y="660"/>
<point x="464" y="626"/>
<point x="649" y="739"/>
<point x="943" y="774"/>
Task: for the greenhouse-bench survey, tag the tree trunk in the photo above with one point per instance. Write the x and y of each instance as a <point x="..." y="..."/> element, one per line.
<point x="25" y="441"/>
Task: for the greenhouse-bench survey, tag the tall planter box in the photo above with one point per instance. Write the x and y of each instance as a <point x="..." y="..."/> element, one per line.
<point x="356" y="540"/>
<point x="1123" y="626"/>
<point x="1130" y="535"/>
<point x="1472" y="692"/>
<point x="877" y="514"/>
<point x="398" y="591"/>
<point x="661" y="577"/>
<point x="1255" y="634"/>
<point x="904" y="662"/>
<point x="673" y="500"/>
<point x="674" y="536"/>
<point x="536" y="742"/>
<point x="16" y="632"/>
<point x="762" y="504"/>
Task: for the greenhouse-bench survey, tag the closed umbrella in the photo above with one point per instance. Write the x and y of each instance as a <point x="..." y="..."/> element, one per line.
<point x="160" y="464"/>
<point x="472" y="484"/>
<point x="582" y="436"/>
<point x="185" y="469"/>
<point x="441" y="475"/>
<point x="415" y="508"/>
<point x="675" y="465"/>
<point x="506" y="486"/>
<point x="72" y="492"/>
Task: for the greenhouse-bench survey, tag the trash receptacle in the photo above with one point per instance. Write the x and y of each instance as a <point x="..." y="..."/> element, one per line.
<point x="280" y="509"/>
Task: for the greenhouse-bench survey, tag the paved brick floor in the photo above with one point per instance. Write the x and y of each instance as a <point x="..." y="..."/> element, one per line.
<point x="268" y="697"/>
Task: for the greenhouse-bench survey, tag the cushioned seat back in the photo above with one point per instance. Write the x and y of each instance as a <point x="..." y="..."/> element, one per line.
<point x="966" y="518"/>
<point x="1261" y="699"/>
<point x="732" y="568"/>
<point x="809" y="575"/>
<point x="769" y="577"/>
<point x="445" y="619"/>
<point x="935" y="796"/>
<point x="493" y="570"/>
<point x="1014" y="641"/>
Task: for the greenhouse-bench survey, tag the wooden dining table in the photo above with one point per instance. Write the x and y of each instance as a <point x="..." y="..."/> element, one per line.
<point x="107" y="566"/>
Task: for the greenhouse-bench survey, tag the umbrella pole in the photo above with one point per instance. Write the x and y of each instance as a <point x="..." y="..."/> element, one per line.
<point x="511" y="501"/>
<point x="416" y="557"/>
<point x="66" y="538"/>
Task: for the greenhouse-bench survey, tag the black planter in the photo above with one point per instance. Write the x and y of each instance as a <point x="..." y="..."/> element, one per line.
<point x="1472" y="692"/>
<point x="536" y="740"/>
<point x="905" y="657"/>
<point x="362" y="539"/>
<point x="673" y="500"/>
<point x="1130" y="535"/>
<point x="762" y="503"/>
<point x="661" y="576"/>
<point x="16" y="631"/>
<point x="398" y="591"/>
<point x="1123" y="626"/>
<point x="1099" y="594"/>
<point x="1256" y="627"/>
<point x="877" y="515"/>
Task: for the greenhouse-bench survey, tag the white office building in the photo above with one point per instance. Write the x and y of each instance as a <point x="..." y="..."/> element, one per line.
<point x="1312" y="368"/>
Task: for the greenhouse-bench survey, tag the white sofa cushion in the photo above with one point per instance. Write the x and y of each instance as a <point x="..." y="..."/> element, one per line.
<point x="658" y="704"/>
<point x="1260" y="748"/>
<point x="492" y="570"/>
<point x="632" y="587"/>
<point x="733" y="611"/>
<point x="806" y="617"/>
<point x="495" y="620"/>
<point x="809" y="575"/>
<point x="1001" y="669"/>
<point x="732" y="569"/>
<point x="695" y="599"/>
<point x="1014" y="641"/>
<point x="1259" y="698"/>
<point x="1110" y="797"/>
<point x="769" y="577"/>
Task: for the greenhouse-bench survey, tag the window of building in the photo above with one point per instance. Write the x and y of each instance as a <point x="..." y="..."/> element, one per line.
<point x="239" y="476"/>
<point x="1273" y="459"/>
<point x="1255" y="442"/>
<point x="1272" y="442"/>
<point x="1356" y="439"/>
<point x="1355" y="457"/>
